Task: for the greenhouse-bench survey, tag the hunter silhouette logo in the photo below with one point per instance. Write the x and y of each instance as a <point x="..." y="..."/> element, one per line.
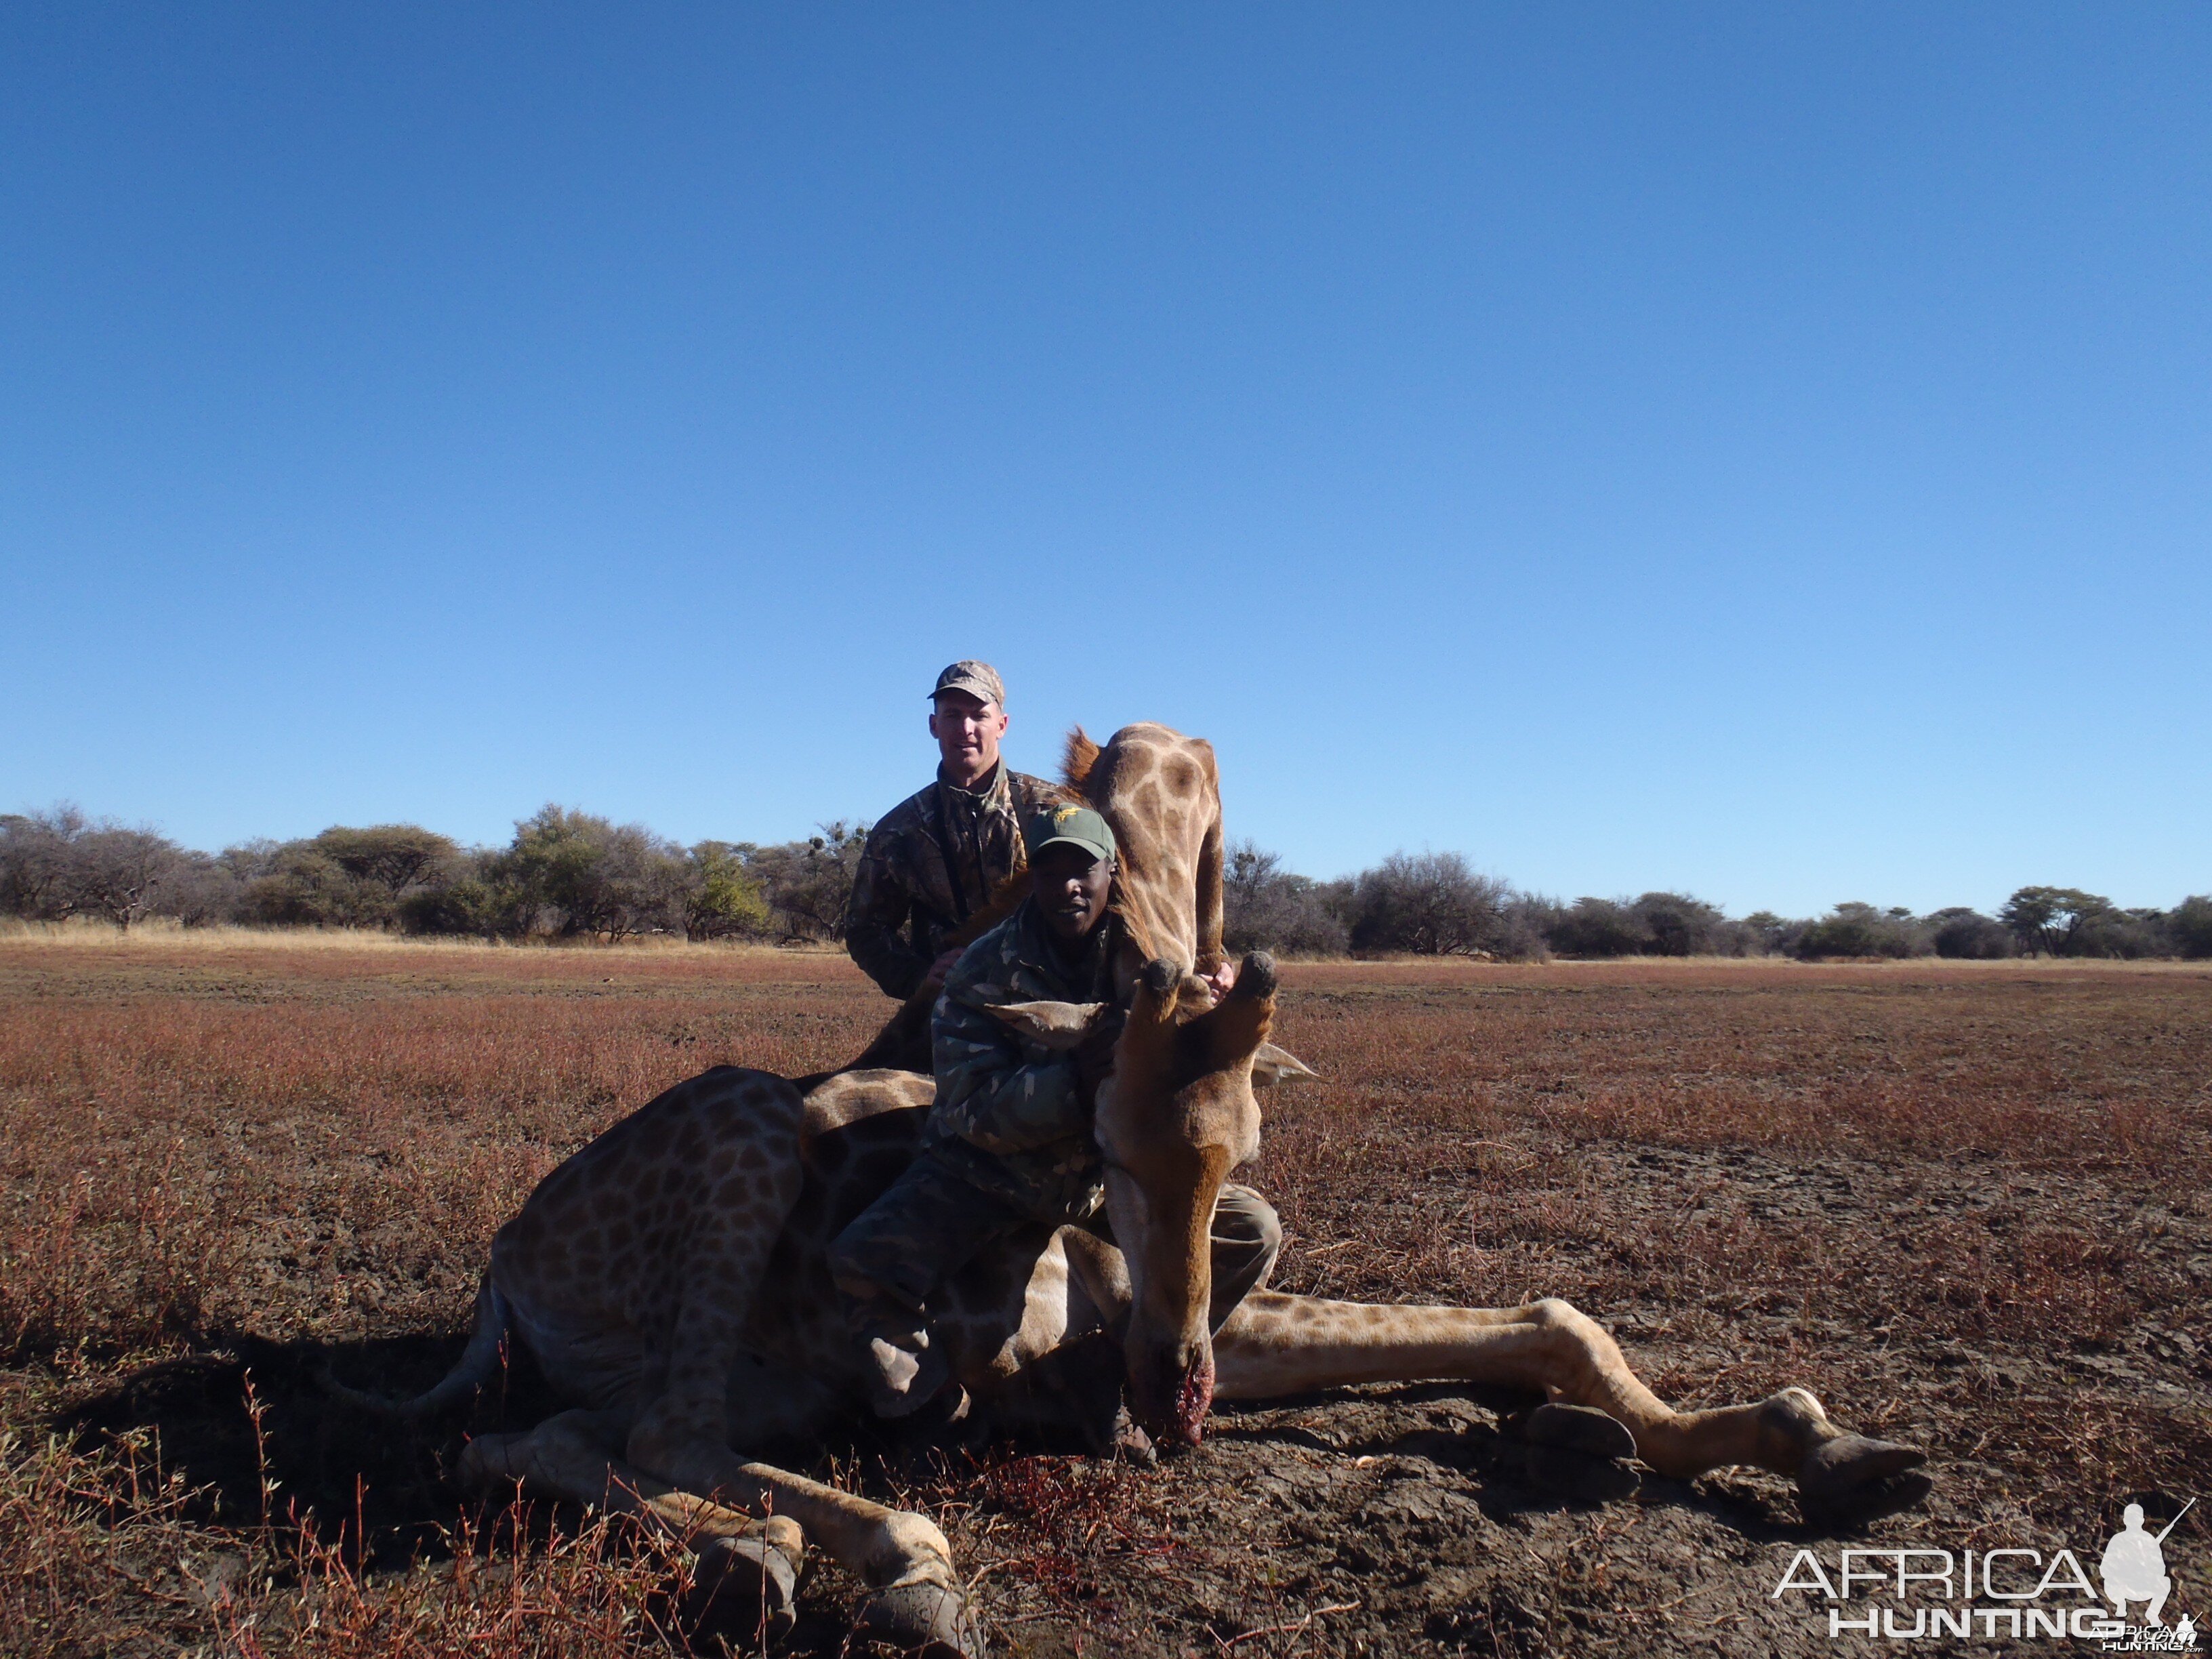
<point x="2133" y="1568"/>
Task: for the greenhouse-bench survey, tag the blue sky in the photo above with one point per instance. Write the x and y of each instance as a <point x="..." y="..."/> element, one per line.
<point x="1760" y="451"/>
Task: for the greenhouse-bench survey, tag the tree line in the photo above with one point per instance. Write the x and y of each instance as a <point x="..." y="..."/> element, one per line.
<point x="1436" y="903"/>
<point x="566" y="874"/>
<point x="570" y="874"/>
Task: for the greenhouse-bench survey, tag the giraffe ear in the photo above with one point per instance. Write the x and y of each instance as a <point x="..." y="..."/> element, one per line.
<point x="1055" y="1026"/>
<point x="1274" y="1064"/>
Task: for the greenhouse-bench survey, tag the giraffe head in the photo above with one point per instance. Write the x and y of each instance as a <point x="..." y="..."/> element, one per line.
<point x="1174" y="1117"/>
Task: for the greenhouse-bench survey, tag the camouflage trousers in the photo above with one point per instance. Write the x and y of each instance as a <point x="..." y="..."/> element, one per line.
<point x="932" y="1221"/>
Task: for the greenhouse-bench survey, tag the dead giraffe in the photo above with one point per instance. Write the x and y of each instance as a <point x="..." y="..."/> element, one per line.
<point x="672" y="1279"/>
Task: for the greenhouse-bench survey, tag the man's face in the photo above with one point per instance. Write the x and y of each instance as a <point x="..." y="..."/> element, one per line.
<point x="966" y="730"/>
<point x="1072" y="888"/>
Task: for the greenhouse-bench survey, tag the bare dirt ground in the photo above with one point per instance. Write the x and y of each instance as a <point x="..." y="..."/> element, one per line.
<point x="1965" y="1204"/>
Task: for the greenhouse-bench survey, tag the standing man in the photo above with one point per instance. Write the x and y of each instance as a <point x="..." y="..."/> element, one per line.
<point x="934" y="859"/>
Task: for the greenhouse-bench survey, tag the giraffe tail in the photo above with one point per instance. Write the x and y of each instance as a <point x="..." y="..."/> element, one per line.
<point x="480" y="1364"/>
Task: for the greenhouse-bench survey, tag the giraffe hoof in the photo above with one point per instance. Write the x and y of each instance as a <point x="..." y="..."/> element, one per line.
<point x="1582" y="1429"/>
<point x="744" y="1589"/>
<point x="1852" y="1478"/>
<point x="1161" y="976"/>
<point x="928" y="1621"/>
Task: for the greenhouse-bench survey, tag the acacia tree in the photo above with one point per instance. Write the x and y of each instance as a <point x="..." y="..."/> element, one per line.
<point x="2051" y="919"/>
<point x="394" y="856"/>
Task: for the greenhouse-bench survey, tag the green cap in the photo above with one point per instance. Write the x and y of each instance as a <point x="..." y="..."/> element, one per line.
<point x="1077" y="826"/>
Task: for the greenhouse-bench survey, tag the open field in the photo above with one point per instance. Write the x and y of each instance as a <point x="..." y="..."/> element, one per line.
<point x="1966" y="1204"/>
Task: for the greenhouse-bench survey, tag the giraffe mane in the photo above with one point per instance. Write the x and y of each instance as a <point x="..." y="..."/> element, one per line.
<point x="1076" y="758"/>
<point x="1078" y="762"/>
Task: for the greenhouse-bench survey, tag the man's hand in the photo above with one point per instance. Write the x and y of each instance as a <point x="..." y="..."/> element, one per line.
<point x="1094" y="1056"/>
<point x="1222" y="979"/>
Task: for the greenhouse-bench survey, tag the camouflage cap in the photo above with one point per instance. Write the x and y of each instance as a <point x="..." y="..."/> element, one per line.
<point x="1077" y="826"/>
<point x="978" y="679"/>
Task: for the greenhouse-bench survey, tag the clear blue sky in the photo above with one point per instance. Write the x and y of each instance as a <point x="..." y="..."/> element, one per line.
<point x="1763" y="451"/>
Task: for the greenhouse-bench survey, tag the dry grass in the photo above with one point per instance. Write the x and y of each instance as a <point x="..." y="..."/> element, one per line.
<point x="1964" y="1199"/>
<point x="1786" y="1173"/>
<point x="104" y="1555"/>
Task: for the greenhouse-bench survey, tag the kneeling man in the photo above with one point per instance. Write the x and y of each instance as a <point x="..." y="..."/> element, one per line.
<point x="1009" y="1139"/>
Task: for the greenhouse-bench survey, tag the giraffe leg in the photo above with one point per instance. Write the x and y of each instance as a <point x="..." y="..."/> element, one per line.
<point x="681" y="1437"/>
<point x="1276" y="1344"/>
<point x="746" y="1570"/>
<point x="747" y="1576"/>
<point x="917" y="1601"/>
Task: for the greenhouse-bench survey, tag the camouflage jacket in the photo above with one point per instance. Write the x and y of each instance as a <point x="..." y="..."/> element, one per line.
<point x="1009" y="1115"/>
<point x="930" y="861"/>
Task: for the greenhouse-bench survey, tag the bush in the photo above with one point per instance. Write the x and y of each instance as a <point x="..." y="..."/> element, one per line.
<point x="462" y="902"/>
<point x="1523" y="930"/>
<point x="1265" y="907"/>
<point x="1861" y="930"/>
<point x="572" y="873"/>
<point x="1768" y="935"/>
<point x="1655" y="925"/>
<point x="1426" y="904"/>
<point x="1967" y="935"/>
<point x="35" y="863"/>
<point x="200" y="891"/>
<point x="806" y="884"/>
<point x="2189" y="924"/>
<point x="343" y="877"/>
<point x="723" y="899"/>
<point x="57" y="865"/>
<point x="1597" y="927"/>
<point x="2126" y="934"/>
<point x="303" y="888"/>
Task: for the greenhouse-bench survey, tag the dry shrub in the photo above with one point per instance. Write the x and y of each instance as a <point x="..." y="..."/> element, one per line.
<point x="2052" y="1066"/>
<point x="101" y="1553"/>
<point x="192" y="1136"/>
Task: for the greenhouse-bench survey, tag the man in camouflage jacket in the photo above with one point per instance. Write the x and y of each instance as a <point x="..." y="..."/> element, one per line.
<point x="1008" y="1140"/>
<point x="936" y="858"/>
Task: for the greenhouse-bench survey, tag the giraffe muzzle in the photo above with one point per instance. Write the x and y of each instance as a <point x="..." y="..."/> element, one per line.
<point x="1193" y="1398"/>
<point x="1171" y="1396"/>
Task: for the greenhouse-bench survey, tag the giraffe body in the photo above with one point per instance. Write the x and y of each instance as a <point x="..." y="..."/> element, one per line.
<point x="671" y="1277"/>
